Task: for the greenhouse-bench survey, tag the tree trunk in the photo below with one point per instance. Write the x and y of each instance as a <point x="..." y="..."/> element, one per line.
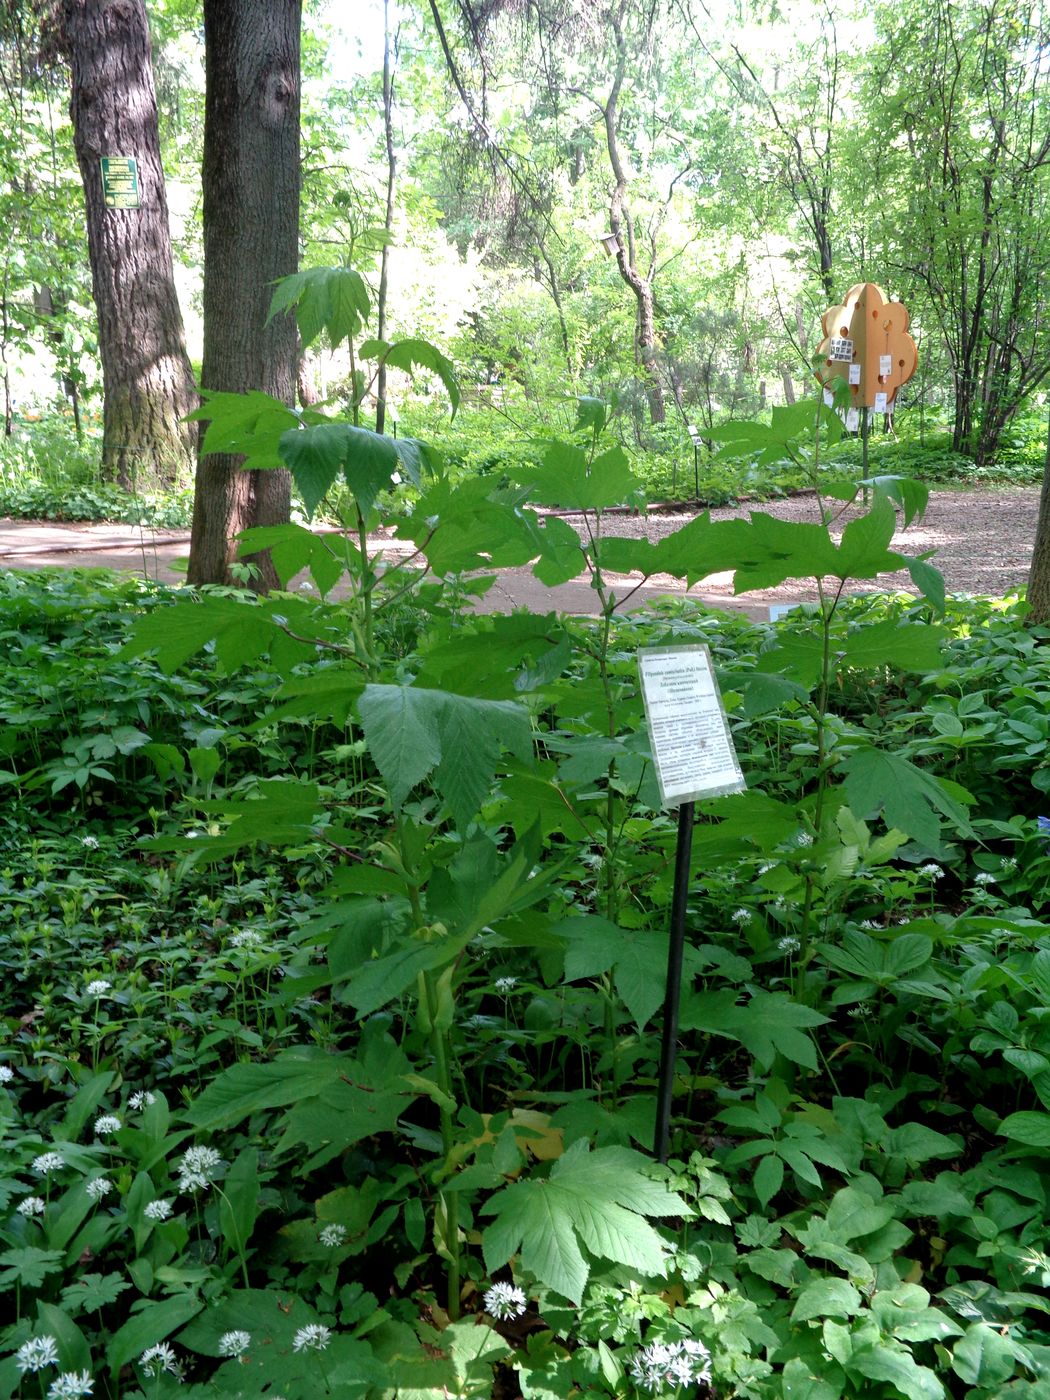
<point x="622" y="228"/>
<point x="147" y="380"/>
<point x="1039" y="573"/>
<point x="388" y="218"/>
<point x="251" y="238"/>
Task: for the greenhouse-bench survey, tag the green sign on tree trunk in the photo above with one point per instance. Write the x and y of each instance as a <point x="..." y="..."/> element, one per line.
<point x="120" y="182"/>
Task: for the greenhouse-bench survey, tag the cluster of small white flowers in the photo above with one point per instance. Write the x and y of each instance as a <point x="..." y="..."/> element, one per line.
<point x="504" y="985"/>
<point x="804" y="839"/>
<point x="31" y="1205"/>
<point x="313" y="1337"/>
<point x="91" y="842"/>
<point x="6" y="1074"/>
<point x="1007" y="865"/>
<point x="106" y="1124"/>
<point x="197" y="1167"/>
<point x="98" y="988"/>
<point x="670" y="1365"/>
<point x="246" y="938"/>
<point x="48" y="1162"/>
<point x="99" y="1188"/>
<point x="234" y="1343"/>
<point x="780" y="902"/>
<point x="70" y="1385"/>
<point x="984" y="877"/>
<point x="861" y="1009"/>
<point x="142" y="1099"/>
<point x="332" y="1236"/>
<point x="742" y="916"/>
<point x="934" y="872"/>
<point x="789" y="944"/>
<point x="156" y="1360"/>
<point x="37" y="1353"/>
<point x="158" y="1210"/>
<point x="870" y="924"/>
<point x="504" y="1301"/>
<point x="766" y="866"/>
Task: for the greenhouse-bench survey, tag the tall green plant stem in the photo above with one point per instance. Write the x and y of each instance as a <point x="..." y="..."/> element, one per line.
<point x="441" y="1045"/>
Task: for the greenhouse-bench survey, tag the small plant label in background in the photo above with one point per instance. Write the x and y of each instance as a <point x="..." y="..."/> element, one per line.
<point x="692" y="747"/>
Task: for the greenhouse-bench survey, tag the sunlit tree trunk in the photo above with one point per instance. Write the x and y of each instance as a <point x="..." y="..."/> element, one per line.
<point x="147" y="380"/>
<point x="251" y="238"/>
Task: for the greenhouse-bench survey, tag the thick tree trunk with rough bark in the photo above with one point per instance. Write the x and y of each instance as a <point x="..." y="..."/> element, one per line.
<point x="147" y="380"/>
<point x="1039" y="573"/>
<point x="251" y="238"/>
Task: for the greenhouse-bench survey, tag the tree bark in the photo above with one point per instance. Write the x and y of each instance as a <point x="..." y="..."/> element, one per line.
<point x="147" y="380"/>
<point x="1039" y="573"/>
<point x="388" y="220"/>
<point x="251" y="238"/>
<point x="622" y="228"/>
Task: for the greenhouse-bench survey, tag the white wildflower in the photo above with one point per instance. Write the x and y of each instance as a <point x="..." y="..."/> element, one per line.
<point x="313" y="1337"/>
<point x="48" y="1162"/>
<point x="804" y="839"/>
<point x="670" y="1365"/>
<point x="504" y="1301"/>
<point x="234" y="1343"/>
<point x="870" y="924"/>
<point x="1007" y="865"/>
<point x="861" y="1009"/>
<point x="158" y="1210"/>
<point x="99" y="1188"/>
<point x="142" y="1099"/>
<point x="984" y="877"/>
<point x="742" y="916"/>
<point x="31" y="1205"/>
<point x="198" y="1168"/>
<point x="789" y="944"/>
<point x="246" y="938"/>
<point x="71" y="1385"/>
<point x="155" y="1360"/>
<point x="6" y="1074"/>
<point x="933" y="872"/>
<point x="106" y="1124"/>
<point x="332" y="1236"/>
<point x="504" y="985"/>
<point x="91" y="842"/>
<point x="37" y="1353"/>
<point x="98" y="988"/>
<point x="767" y="866"/>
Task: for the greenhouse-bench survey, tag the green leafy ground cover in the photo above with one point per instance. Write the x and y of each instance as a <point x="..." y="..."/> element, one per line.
<point x="334" y="956"/>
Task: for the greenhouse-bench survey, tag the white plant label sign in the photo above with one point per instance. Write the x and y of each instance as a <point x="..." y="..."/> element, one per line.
<point x="692" y="746"/>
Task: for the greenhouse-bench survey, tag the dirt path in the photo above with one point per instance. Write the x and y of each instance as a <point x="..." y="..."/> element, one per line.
<point x="983" y="543"/>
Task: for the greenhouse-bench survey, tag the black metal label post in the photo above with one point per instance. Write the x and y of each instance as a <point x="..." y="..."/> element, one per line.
<point x="694" y="757"/>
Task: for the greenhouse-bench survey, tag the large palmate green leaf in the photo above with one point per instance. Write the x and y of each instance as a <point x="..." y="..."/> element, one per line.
<point x="293" y="548"/>
<point x="414" y="354"/>
<point x="637" y="957"/>
<point x="330" y="299"/>
<point x="568" y="478"/>
<point x="771" y="1023"/>
<point x="498" y="657"/>
<point x="471" y="526"/>
<point x="910" y="799"/>
<point x="701" y="548"/>
<point x="592" y="1201"/>
<point x="318" y="454"/>
<point x="242" y="630"/>
<point x="249" y="425"/>
<point x="414" y="733"/>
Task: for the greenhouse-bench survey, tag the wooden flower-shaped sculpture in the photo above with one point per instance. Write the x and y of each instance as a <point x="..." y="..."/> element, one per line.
<point x="866" y="342"/>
